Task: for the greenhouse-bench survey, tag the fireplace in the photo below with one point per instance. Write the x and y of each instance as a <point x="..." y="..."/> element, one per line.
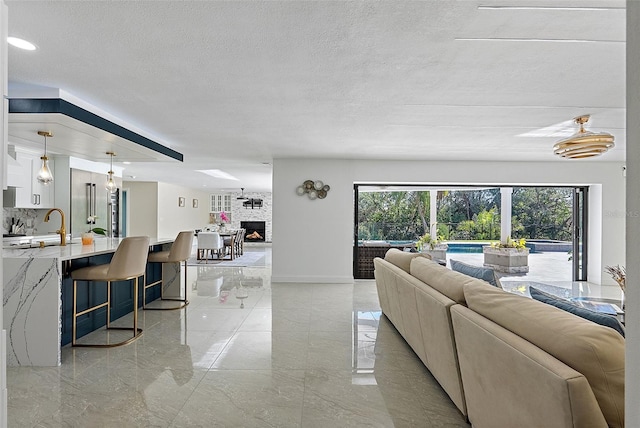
<point x="255" y="231"/>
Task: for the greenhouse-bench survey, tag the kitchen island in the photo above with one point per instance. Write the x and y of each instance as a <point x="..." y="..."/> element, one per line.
<point x="37" y="296"/>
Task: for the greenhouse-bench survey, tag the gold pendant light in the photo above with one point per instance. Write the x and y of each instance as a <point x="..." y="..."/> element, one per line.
<point x="44" y="174"/>
<point x="111" y="184"/>
<point x="583" y="144"/>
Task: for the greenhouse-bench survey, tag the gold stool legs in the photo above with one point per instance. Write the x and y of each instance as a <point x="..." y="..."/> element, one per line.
<point x="185" y="301"/>
<point x="137" y="332"/>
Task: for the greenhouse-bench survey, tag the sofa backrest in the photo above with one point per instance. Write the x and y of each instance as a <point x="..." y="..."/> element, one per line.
<point x="402" y="259"/>
<point x="446" y="281"/>
<point x="593" y="350"/>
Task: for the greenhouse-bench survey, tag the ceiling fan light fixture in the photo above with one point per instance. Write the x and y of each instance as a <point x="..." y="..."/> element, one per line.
<point x="584" y="144"/>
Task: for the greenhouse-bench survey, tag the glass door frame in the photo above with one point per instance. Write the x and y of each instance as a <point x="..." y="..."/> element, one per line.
<point x="580" y="232"/>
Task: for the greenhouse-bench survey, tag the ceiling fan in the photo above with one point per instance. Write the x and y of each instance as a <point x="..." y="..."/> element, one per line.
<point x="242" y="196"/>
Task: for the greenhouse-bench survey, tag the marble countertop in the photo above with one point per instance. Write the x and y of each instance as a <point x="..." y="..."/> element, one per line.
<point x="73" y="250"/>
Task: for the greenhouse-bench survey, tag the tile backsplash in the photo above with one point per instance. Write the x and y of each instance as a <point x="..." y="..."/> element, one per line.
<point x="32" y="219"/>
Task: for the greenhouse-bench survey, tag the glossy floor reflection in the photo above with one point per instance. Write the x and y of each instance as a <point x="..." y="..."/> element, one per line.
<point x="296" y="355"/>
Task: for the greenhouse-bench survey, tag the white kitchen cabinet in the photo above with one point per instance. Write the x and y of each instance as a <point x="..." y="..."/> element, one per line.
<point x="29" y="193"/>
<point x="220" y="202"/>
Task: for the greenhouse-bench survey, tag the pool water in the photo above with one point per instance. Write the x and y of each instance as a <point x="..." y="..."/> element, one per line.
<point x="465" y="247"/>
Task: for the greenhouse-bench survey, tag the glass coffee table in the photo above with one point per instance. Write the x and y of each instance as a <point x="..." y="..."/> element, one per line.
<point x="597" y="304"/>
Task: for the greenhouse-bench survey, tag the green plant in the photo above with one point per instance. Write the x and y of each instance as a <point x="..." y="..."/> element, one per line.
<point x="519" y="244"/>
<point x="99" y="231"/>
<point x="425" y="241"/>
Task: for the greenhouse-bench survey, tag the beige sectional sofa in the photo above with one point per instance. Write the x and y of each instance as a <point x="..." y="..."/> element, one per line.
<point x="505" y="360"/>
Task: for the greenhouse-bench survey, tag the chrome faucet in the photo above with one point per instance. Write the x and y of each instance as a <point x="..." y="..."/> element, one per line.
<point x="62" y="231"/>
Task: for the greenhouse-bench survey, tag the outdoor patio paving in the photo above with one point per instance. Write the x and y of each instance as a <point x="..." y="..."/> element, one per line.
<point x="552" y="268"/>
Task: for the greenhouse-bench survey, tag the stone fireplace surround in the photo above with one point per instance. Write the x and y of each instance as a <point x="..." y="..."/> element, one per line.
<point x="240" y="213"/>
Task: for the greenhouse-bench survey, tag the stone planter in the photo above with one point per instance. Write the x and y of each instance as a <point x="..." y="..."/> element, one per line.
<point x="508" y="260"/>
<point x="439" y="252"/>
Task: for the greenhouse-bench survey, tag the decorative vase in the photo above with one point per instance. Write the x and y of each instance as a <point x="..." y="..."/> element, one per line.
<point x="87" y="238"/>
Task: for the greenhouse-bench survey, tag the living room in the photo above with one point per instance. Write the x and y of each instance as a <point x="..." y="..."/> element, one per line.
<point x="313" y="239"/>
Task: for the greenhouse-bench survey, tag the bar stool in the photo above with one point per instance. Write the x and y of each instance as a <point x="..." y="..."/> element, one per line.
<point x="128" y="262"/>
<point x="180" y="252"/>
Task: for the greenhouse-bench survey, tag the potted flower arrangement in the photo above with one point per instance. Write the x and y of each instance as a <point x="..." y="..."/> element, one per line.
<point x="87" y="237"/>
<point x="510" y="256"/>
<point x="223" y="219"/>
<point x="434" y="247"/>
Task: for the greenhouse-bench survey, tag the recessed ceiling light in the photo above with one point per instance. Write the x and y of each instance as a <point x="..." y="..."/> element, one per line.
<point x="20" y="43"/>
<point x="126" y="163"/>
<point x="216" y="173"/>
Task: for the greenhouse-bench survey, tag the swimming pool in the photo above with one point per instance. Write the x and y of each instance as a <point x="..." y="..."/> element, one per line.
<point x="465" y="247"/>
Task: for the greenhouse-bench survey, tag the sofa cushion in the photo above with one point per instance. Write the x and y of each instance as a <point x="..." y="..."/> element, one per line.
<point x="593" y="350"/>
<point x="442" y="279"/>
<point x="566" y="305"/>
<point x="480" y="272"/>
<point x="402" y="259"/>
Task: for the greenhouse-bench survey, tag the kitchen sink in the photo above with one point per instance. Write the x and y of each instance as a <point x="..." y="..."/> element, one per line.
<point x="35" y="244"/>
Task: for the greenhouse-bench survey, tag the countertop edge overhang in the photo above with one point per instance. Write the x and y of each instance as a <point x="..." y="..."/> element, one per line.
<point x="73" y="250"/>
<point x="64" y="107"/>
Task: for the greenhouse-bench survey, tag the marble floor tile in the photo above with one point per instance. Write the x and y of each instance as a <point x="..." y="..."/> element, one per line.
<point x="245" y="398"/>
<point x="290" y="319"/>
<point x="216" y="319"/>
<point x="296" y="355"/>
<point x="265" y="351"/>
<point x="331" y="318"/>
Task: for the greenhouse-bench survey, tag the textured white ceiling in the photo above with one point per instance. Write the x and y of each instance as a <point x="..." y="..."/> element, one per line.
<point x="232" y="85"/>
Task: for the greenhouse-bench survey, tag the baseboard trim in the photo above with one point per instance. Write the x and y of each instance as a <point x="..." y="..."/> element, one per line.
<point x="313" y="279"/>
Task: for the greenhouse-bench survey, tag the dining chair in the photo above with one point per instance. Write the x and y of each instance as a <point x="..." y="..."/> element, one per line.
<point x="239" y="241"/>
<point x="229" y="244"/>
<point x="208" y="242"/>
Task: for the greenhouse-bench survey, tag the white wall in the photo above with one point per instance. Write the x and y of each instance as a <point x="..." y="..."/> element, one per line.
<point x="313" y="240"/>
<point x="143" y="208"/>
<point x="632" y="381"/>
<point x="173" y="219"/>
<point x="154" y="210"/>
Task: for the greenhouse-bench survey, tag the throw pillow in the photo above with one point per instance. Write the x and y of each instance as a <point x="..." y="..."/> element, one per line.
<point x="479" y="272"/>
<point x="602" y="319"/>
